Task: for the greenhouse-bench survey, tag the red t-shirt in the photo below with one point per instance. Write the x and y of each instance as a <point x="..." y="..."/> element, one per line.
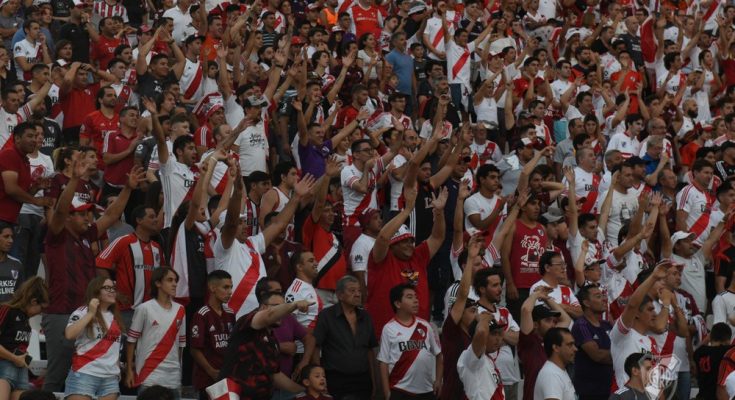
<point x="115" y="143"/>
<point x="391" y="272"/>
<point x="85" y="192"/>
<point x="346" y="115"/>
<point x="77" y="104"/>
<point x="70" y="266"/>
<point x="528" y="246"/>
<point x="630" y="82"/>
<point x="532" y="357"/>
<point x="328" y="253"/>
<point x="210" y="333"/>
<point x="689" y="153"/>
<point x="103" y="51"/>
<point x="95" y="128"/>
<point x="12" y="159"/>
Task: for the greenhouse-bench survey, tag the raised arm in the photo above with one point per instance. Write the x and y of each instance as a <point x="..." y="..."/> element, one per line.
<point x="465" y="282"/>
<point x="634" y="303"/>
<point x="115" y="210"/>
<point x="382" y="242"/>
<point x="281" y="221"/>
<point x="437" y="231"/>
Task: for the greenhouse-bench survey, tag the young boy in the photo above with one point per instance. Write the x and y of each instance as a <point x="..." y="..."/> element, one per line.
<point x="210" y="331"/>
<point x="407" y="334"/>
<point x="314" y="379"/>
<point x="158" y="324"/>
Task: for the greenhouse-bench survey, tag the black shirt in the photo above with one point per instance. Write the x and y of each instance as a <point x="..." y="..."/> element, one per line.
<point x="51" y="136"/>
<point x="151" y="87"/>
<point x="15" y="332"/>
<point x="79" y="38"/>
<point x="196" y="262"/>
<point x="11" y="276"/>
<point x="724" y="170"/>
<point x="62" y="8"/>
<point x="342" y="351"/>
<point x="423" y="213"/>
<point x="633" y="45"/>
<point x="452" y="114"/>
<point x="727" y="264"/>
<point x="708" y="360"/>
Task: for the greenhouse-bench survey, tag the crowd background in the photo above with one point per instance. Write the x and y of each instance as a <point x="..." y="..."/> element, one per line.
<point x="368" y="199"/>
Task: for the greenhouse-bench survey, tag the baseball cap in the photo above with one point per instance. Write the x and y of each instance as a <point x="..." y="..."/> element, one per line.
<point x="553" y="214"/>
<point x="366" y="216"/>
<point x="312" y="7"/>
<point x="192" y="38"/>
<point x="402" y="234"/>
<point x="540" y="312"/>
<point x="417" y="8"/>
<point x="254" y="101"/>
<point x="679" y="235"/>
<point x="524" y="142"/>
<point x="488" y="124"/>
<point x="144" y="29"/>
<point x="337" y="28"/>
<point x="78" y="205"/>
<point x="297" y="41"/>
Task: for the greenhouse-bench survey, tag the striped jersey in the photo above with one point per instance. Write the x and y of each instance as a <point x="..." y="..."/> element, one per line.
<point x="302" y="290"/>
<point x="159" y="333"/>
<point x="99" y="355"/>
<point x="105" y="10"/>
<point x="244" y="262"/>
<point x="410" y="352"/>
<point x="132" y="261"/>
<point x="698" y="205"/>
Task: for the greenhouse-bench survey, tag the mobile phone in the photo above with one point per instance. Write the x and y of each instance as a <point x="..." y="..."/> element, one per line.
<point x="18" y="352"/>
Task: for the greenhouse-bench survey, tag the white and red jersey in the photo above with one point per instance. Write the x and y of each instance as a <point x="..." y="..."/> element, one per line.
<point x="480" y="376"/>
<point x="31" y="52"/>
<point x="544" y="133"/>
<point x="587" y="186"/>
<point x="8" y="122"/>
<point x="479" y="204"/>
<point x="617" y="291"/>
<point x="698" y="205"/>
<point x="504" y="357"/>
<point x="410" y="352"/>
<point x="668" y="342"/>
<point x="244" y="262"/>
<point x="627" y="145"/>
<point x="302" y="290"/>
<point x="279" y="26"/>
<point x="597" y="249"/>
<point x="396" y="186"/>
<point x="490" y="151"/>
<point x="281" y="200"/>
<point x="434" y="32"/>
<point x="723" y="308"/>
<point x="561" y="294"/>
<point x="99" y="355"/>
<point x="105" y="10"/>
<point x="159" y="334"/>
<point x="177" y="181"/>
<point x="366" y="20"/>
<point x="458" y="60"/>
<point x="625" y="341"/>
<point x="355" y="203"/>
<point x="192" y="79"/>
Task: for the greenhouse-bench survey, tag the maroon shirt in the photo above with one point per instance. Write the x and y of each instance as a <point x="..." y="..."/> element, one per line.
<point x="86" y="191"/>
<point x="69" y="268"/>
<point x="278" y="264"/>
<point x="12" y="159"/>
<point x="116" y="143"/>
<point x="532" y="357"/>
<point x="454" y="341"/>
<point x="210" y="333"/>
<point x="290" y="330"/>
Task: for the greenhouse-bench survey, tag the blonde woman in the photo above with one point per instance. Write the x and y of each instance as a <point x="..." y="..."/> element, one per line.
<point x="96" y="329"/>
<point x="15" y="332"/>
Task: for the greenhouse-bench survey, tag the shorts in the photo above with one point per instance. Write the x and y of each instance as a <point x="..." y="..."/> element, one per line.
<point x="79" y="383"/>
<point x="17" y="377"/>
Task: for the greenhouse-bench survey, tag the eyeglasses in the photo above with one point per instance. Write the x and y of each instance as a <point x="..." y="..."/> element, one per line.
<point x="465" y="159"/>
<point x="366" y="149"/>
<point x="109" y="288"/>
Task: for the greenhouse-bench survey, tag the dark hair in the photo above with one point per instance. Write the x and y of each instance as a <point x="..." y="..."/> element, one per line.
<point x="703" y="151"/>
<point x="156" y="392"/>
<point x="701" y="164"/>
<point x="356" y="144"/>
<point x="633" y="361"/>
<point x="118" y="50"/>
<point x="268" y="217"/>
<point x="27" y="24"/>
<point x="529" y="60"/>
<point x="554" y="337"/>
<point x="584" y="218"/>
<point x="181" y="142"/>
<point x="481" y="277"/>
<point x="157" y="57"/>
<point x="114" y="62"/>
<point x="157" y="277"/>
<point x="256" y="177"/>
<point x="280" y="169"/>
<point x="38" y="67"/>
<point x="356" y="89"/>
<point x="485" y="170"/>
<point x="721" y="332"/>
<point x="669" y="59"/>
<point x="306" y="371"/>
<point x="295" y="259"/>
<point x="579" y="141"/>
<point x="136" y="214"/>
<point x="263" y="292"/>
<point x="218" y="275"/>
<point x="584" y="293"/>
<point x="631" y="118"/>
<point x="37" y="394"/>
<point x="22" y="127"/>
<point x="101" y="93"/>
<point x="546" y="260"/>
<point x="581" y="96"/>
<point x="396" y="294"/>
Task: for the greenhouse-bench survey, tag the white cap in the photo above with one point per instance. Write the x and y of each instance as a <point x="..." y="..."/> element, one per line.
<point x="679" y="235"/>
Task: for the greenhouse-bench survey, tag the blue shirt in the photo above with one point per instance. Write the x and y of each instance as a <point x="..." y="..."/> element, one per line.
<point x="590" y="377"/>
<point x="402" y="65"/>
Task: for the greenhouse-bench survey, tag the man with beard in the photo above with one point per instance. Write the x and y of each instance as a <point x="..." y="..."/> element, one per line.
<point x="252" y="354"/>
<point x="684" y="125"/>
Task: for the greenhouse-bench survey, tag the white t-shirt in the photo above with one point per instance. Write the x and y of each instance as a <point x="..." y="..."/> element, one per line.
<point x="628" y="146"/>
<point x="479" y="204"/>
<point x="561" y="294"/>
<point x="360" y="253"/>
<point x="253" y="149"/>
<point x="152" y="326"/>
<point x="181" y="20"/>
<point x="723" y="308"/>
<point x="623" y="207"/>
<point x="418" y="337"/>
<point x="98" y="356"/>
<point x="176" y="181"/>
<point x="479" y="375"/>
<point x="559" y="87"/>
<point x="41" y="167"/>
<point x="698" y="206"/>
<point x="244" y="262"/>
<point x="9" y="121"/>
<point x="693" y="276"/>
<point x="553" y="382"/>
<point x="625" y="341"/>
<point x="32" y="54"/>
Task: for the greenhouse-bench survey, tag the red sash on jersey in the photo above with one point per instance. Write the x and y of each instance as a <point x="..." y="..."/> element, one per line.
<point x="407" y="357"/>
<point x="438" y="38"/>
<point x="99" y="349"/>
<point x="123" y="98"/>
<point x="162" y="348"/>
<point x="460" y="63"/>
<point x="591" y="200"/>
<point x="247" y="283"/>
<point x="711" y="10"/>
<point x="703" y="221"/>
<point x="195" y="82"/>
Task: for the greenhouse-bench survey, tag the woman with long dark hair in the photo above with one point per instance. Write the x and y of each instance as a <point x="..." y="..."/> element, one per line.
<point x="96" y="329"/>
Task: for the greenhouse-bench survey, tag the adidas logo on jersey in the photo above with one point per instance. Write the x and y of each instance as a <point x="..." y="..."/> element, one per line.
<point x="211" y="328"/>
